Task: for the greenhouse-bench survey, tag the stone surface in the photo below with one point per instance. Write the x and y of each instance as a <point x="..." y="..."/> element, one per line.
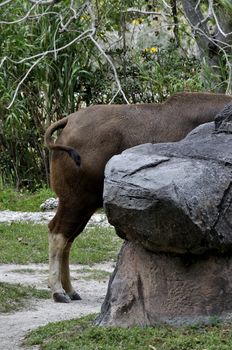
<point x="174" y="197"/>
<point x="49" y="204"/>
<point x="223" y="120"/>
<point x="173" y="203"/>
<point x="151" y="288"/>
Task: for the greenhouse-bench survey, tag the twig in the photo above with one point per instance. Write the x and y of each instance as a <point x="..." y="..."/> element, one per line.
<point x="112" y="66"/>
<point x="216" y="20"/>
<point x="45" y="2"/>
<point x="166" y="4"/>
<point x="143" y="12"/>
<point x="22" y="18"/>
<point x="5" y="2"/>
<point x="79" y="38"/>
<point x="22" y="80"/>
<point x="197" y="5"/>
<point x="74" y="17"/>
<point x="41" y="56"/>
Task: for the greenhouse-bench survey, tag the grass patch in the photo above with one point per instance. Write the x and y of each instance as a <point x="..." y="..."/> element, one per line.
<point x="23" y="243"/>
<point x="95" y="274"/>
<point x="96" y="244"/>
<point x="16" y="296"/>
<point x="82" y="335"/>
<point x="23" y="201"/>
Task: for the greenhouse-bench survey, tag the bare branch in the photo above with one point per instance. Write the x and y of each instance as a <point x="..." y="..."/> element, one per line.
<point x="113" y="68"/>
<point x="143" y="12"/>
<point x="76" y="14"/>
<point x="216" y="20"/>
<point x="197" y="5"/>
<point x="166" y="4"/>
<point x="79" y="38"/>
<point x="93" y="20"/>
<point x="22" y="18"/>
<point x="41" y="56"/>
<point x="5" y="2"/>
<point x="45" y="14"/>
<point x="45" y="2"/>
<point x="22" y="80"/>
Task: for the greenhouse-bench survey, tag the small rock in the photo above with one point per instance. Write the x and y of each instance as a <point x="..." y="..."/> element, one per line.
<point x="49" y="204"/>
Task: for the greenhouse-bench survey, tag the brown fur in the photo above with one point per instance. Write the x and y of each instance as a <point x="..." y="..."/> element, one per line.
<point x="99" y="132"/>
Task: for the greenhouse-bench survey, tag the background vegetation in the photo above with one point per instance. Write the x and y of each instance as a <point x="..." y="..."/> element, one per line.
<point x="59" y="56"/>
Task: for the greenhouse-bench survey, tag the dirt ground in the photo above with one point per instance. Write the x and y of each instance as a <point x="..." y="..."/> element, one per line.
<point x="14" y="326"/>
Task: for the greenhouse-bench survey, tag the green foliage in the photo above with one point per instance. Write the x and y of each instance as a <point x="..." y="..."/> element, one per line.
<point x="160" y="74"/>
<point x="226" y="4"/>
<point x="23" y="243"/>
<point x="82" y="335"/>
<point x="16" y="296"/>
<point x="23" y="200"/>
<point x="51" y="90"/>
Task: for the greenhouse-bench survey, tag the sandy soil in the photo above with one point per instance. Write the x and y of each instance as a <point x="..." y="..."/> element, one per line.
<point x="14" y="326"/>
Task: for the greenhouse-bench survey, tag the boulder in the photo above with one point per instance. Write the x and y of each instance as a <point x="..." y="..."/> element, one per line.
<point x="172" y="203"/>
<point x="149" y="288"/>
<point x="174" y="197"/>
<point x="223" y="120"/>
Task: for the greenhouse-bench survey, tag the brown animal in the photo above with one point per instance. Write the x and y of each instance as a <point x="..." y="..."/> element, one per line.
<point x="89" y="138"/>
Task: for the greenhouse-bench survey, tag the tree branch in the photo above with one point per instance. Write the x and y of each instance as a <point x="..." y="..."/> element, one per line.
<point x="5" y="2"/>
<point x="45" y="2"/>
<point x="225" y="35"/>
<point x="113" y="68"/>
<point x="22" y="18"/>
<point x="22" y="80"/>
<point x="143" y="12"/>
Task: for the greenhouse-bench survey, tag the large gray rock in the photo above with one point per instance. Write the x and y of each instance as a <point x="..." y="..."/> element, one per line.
<point x="174" y="197"/>
<point x="152" y="288"/>
<point x="223" y="120"/>
<point x="173" y="204"/>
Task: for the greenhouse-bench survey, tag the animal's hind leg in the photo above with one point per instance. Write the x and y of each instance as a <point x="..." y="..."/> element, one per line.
<point x="59" y="250"/>
<point x="57" y="246"/>
<point x="65" y="271"/>
<point x="65" y="274"/>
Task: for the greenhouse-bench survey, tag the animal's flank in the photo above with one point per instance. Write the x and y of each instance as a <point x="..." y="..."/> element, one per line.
<point x="58" y="147"/>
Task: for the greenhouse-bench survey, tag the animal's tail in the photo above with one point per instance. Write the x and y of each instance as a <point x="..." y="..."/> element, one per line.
<point x="55" y="146"/>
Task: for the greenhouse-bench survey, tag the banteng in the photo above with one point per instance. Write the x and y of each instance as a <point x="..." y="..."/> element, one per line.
<point x="89" y="138"/>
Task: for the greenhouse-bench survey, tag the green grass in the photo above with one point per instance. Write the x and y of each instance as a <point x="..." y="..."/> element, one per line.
<point x="94" y="274"/>
<point x="23" y="243"/>
<point x="15" y="296"/>
<point x="23" y="201"/>
<point x="82" y="335"/>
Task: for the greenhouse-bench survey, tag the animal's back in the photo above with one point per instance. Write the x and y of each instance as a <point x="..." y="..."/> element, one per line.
<point x="99" y="132"/>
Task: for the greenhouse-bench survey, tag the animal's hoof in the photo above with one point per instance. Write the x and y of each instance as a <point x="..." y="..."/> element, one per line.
<point x="61" y="298"/>
<point x="74" y="296"/>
